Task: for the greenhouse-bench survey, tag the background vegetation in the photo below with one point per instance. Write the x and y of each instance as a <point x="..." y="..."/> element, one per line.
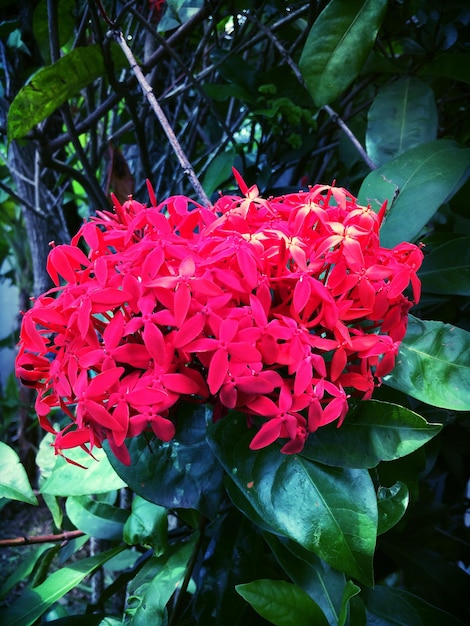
<point x="368" y="93"/>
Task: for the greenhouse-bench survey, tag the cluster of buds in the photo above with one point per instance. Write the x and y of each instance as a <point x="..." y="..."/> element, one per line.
<point x="279" y="308"/>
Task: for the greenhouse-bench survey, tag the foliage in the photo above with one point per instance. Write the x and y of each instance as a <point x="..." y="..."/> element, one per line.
<point x="365" y="523"/>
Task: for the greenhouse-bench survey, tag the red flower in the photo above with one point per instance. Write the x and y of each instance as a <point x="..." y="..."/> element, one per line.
<point x="280" y="308"/>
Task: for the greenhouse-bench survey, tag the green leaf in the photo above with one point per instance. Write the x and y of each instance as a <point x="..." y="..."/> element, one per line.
<point x="376" y="431"/>
<point x="386" y="606"/>
<point x="455" y="66"/>
<point x="282" y="603"/>
<point x="338" y="45"/>
<point x="402" y="116"/>
<point x="392" y="503"/>
<point x="446" y="269"/>
<point x="96" y="519"/>
<point x="23" y="568"/>
<point x="425" y="178"/>
<point x="350" y="590"/>
<point x="34" y="602"/>
<point x="182" y="473"/>
<point x="66" y="479"/>
<point x="147" y="525"/>
<point x="14" y="482"/>
<point x="150" y="590"/>
<point x="219" y="170"/>
<point x="65" y="25"/>
<point x="321" y="582"/>
<point x="53" y="85"/>
<point x="433" y="364"/>
<point x="329" y="511"/>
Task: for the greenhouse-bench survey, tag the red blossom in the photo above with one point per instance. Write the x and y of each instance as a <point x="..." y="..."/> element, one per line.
<point x="280" y="308"/>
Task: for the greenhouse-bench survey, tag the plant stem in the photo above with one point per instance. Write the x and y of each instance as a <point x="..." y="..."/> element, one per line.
<point x="67" y="535"/>
<point x="165" y="124"/>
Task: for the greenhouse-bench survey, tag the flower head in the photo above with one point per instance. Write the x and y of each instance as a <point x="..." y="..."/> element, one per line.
<point x="281" y="308"/>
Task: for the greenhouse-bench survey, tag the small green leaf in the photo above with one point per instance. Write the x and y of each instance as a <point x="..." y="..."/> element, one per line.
<point x="446" y="269"/>
<point x="23" y="568"/>
<point x="147" y="525"/>
<point x="376" y="431"/>
<point x="65" y="479"/>
<point x="350" y="590"/>
<point x="65" y="25"/>
<point x="282" y="603"/>
<point x="425" y="178"/>
<point x="96" y="519"/>
<point x="402" y="116"/>
<point x="14" y="482"/>
<point x="329" y="511"/>
<point x="54" y="84"/>
<point x="386" y="606"/>
<point x="392" y="503"/>
<point x="219" y="171"/>
<point x="338" y="45"/>
<point x="433" y="364"/>
<point x="34" y="602"/>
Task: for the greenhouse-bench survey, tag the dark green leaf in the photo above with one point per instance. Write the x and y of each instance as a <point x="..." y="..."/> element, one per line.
<point x="96" y="519"/>
<point x="433" y="364"/>
<point x="34" y="602"/>
<point x="446" y="269"/>
<point x="14" y="482"/>
<point x="23" y="568"/>
<point x="376" y="431"/>
<point x="392" y="503"/>
<point x="402" y="116"/>
<point x="282" y="603"/>
<point x="219" y="171"/>
<point x="147" y="525"/>
<point x="182" y="473"/>
<point x="386" y="606"/>
<point x="338" y="45"/>
<point x="320" y="581"/>
<point x="350" y="590"/>
<point x="330" y="511"/>
<point x="425" y="177"/>
<point x="65" y="25"/>
<point x="51" y="86"/>
<point x="455" y="66"/>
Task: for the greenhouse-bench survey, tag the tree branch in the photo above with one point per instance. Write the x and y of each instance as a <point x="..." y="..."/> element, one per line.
<point x="67" y="535"/>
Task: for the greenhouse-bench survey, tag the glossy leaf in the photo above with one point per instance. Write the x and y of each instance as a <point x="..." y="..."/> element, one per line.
<point x="410" y="112"/>
<point x="446" y="269"/>
<point x="66" y="479"/>
<point x="376" y="431"/>
<point x="433" y="364"/>
<point x="386" y="606"/>
<point x="147" y="525"/>
<point x="415" y="184"/>
<point x="282" y="603"/>
<point x="96" y="519"/>
<point x="392" y="503"/>
<point x="150" y="590"/>
<point x="337" y="46"/>
<point x="350" y="591"/>
<point x="35" y="602"/>
<point x="329" y="511"/>
<point x="54" y="84"/>
<point x="14" y="482"/>
<point x="321" y="582"/>
<point x="182" y="473"/>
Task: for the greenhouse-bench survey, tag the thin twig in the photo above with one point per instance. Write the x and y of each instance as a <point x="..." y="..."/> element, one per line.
<point x="67" y="535"/>
<point x="165" y="124"/>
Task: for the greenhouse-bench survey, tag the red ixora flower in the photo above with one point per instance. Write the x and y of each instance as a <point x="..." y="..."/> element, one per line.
<point x="279" y="308"/>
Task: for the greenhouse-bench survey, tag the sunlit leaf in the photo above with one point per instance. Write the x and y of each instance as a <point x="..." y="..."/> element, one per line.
<point x="410" y="112"/>
<point x="329" y="511"/>
<point x="97" y="519"/>
<point x="35" y="602"/>
<point x="337" y="46"/>
<point x="54" y="84"/>
<point x="14" y="482"/>
<point x="433" y="364"/>
<point x="282" y="603"/>
<point x="424" y="178"/>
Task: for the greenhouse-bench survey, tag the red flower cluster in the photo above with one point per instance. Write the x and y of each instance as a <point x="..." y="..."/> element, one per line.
<point x="280" y="308"/>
